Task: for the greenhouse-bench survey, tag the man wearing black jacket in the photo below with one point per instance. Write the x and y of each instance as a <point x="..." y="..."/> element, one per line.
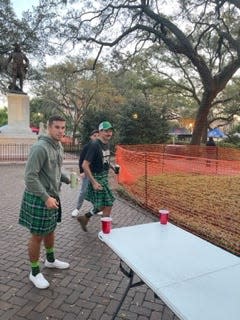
<point x="85" y="180"/>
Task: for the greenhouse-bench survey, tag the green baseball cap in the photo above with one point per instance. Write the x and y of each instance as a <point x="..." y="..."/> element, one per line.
<point x="105" y="125"/>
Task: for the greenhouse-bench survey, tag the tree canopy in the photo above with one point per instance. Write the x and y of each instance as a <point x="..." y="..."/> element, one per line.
<point x="194" y="46"/>
<point x="200" y="37"/>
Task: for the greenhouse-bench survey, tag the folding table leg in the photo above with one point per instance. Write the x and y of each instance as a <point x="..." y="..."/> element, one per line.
<point x="123" y="297"/>
<point x="130" y="275"/>
<point x="164" y="307"/>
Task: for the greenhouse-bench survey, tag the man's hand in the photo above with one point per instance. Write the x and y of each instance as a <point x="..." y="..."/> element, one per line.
<point x="97" y="186"/>
<point x="52" y="203"/>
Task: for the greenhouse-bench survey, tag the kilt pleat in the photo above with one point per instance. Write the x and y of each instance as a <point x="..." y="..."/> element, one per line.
<point x="100" y="198"/>
<point x="35" y="216"/>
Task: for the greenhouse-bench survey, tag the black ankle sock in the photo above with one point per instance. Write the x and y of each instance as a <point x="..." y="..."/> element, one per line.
<point x="88" y="215"/>
<point x="50" y="254"/>
<point x="35" y="268"/>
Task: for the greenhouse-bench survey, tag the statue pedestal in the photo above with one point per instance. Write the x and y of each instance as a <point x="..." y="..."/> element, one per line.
<point x="17" y="131"/>
<point x="18" y="115"/>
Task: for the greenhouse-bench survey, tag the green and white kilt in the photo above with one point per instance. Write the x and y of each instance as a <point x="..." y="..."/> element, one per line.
<point x="35" y="216"/>
<point x="100" y="198"/>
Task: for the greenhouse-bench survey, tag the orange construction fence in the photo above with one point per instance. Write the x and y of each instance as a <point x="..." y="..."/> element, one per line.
<point x="198" y="184"/>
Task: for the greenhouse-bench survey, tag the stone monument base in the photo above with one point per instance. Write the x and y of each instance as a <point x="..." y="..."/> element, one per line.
<point x="16" y="137"/>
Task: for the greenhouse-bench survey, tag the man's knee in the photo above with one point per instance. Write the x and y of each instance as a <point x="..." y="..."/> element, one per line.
<point x="36" y="238"/>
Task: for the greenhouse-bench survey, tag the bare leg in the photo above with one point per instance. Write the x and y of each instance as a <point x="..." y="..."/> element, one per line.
<point x="34" y="252"/>
<point x="49" y="240"/>
<point x="106" y="211"/>
<point x="51" y="262"/>
<point x="34" y="246"/>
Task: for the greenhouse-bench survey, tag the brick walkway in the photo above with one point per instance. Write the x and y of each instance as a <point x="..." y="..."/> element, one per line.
<point x="91" y="288"/>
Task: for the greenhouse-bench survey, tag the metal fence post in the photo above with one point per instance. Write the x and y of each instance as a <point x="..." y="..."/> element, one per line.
<point x="146" y="177"/>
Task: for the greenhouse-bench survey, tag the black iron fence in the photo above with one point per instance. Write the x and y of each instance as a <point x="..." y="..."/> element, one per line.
<point x="19" y="152"/>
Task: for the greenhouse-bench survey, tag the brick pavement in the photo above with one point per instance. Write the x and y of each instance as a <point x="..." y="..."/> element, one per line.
<point x="91" y="288"/>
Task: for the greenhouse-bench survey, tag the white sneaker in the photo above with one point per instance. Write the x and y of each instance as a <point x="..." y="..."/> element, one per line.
<point x="39" y="281"/>
<point x="100" y="213"/>
<point x="57" y="264"/>
<point x="75" y="213"/>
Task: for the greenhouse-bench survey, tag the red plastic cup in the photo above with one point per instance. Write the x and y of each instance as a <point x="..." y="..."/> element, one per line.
<point x="106" y="224"/>
<point x="163" y="216"/>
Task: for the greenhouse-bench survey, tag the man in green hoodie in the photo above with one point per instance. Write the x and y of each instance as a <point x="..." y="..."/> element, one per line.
<point x="41" y="209"/>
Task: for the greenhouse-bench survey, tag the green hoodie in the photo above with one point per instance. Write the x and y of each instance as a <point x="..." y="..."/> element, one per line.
<point x="43" y="174"/>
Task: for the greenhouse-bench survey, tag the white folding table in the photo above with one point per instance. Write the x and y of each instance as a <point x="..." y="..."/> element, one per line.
<point x="196" y="279"/>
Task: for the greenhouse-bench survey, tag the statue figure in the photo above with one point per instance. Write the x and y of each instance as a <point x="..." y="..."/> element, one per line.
<point x="19" y="69"/>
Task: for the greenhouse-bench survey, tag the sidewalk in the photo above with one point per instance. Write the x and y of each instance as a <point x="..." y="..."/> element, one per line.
<point x="91" y="288"/>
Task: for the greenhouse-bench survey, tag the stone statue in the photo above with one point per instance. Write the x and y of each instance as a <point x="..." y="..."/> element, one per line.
<point x="19" y="68"/>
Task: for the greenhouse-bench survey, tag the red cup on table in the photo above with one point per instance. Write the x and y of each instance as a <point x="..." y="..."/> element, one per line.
<point x="163" y="216"/>
<point x="106" y="224"/>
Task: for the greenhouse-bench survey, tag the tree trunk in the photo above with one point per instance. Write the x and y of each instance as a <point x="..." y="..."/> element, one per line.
<point x="201" y="118"/>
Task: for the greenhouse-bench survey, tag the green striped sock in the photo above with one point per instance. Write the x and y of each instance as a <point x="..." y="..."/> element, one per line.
<point x="50" y="254"/>
<point x="35" y="268"/>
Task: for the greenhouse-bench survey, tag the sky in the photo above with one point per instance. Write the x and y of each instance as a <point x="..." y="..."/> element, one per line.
<point x="23" y="5"/>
